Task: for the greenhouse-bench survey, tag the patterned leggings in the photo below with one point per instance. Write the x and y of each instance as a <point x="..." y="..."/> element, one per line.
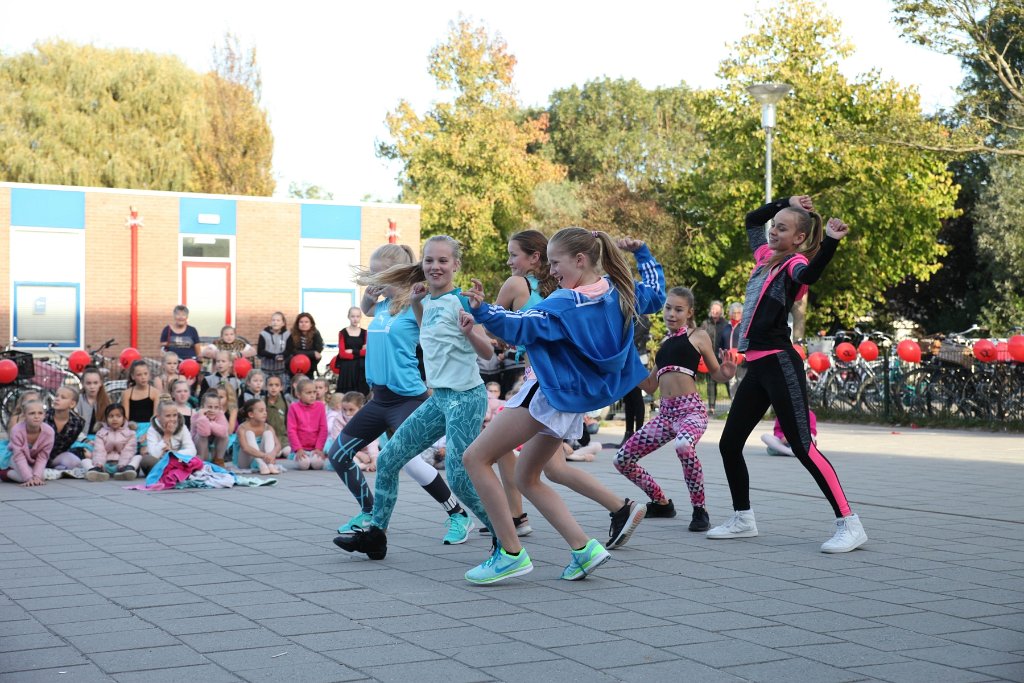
<point x="456" y="415"/>
<point x="683" y="418"/>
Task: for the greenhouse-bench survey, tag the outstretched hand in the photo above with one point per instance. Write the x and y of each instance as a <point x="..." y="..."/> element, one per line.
<point x="629" y="244"/>
<point x="801" y="201"/>
<point x="476" y="294"/>
<point x="836" y="229"/>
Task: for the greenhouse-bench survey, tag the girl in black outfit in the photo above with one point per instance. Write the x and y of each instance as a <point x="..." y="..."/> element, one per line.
<point x="306" y="341"/>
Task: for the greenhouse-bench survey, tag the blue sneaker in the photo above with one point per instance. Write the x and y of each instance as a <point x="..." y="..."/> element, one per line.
<point x="360" y="522"/>
<point x="500" y="566"/>
<point x="459" y="526"/>
<point x="585" y="561"/>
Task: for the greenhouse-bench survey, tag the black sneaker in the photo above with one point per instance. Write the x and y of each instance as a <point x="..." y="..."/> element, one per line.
<point x="625" y="520"/>
<point x="372" y="542"/>
<point x="666" y="510"/>
<point x="700" y="520"/>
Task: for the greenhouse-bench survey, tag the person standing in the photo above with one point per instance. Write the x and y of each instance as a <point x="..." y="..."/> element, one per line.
<point x="714" y="325"/>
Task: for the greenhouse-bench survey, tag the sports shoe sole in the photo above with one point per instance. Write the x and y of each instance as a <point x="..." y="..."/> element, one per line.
<point x="511" y="575"/>
<point x="741" y="534"/>
<point x="637" y="516"/>
<point x="833" y="551"/>
<point x="341" y="543"/>
<point x="96" y="476"/>
<point x="584" y="573"/>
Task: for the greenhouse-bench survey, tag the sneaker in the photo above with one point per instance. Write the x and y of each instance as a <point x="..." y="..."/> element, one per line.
<point x="50" y="474"/>
<point x="459" y="526"/>
<point x="500" y="566"/>
<point x="624" y="522"/>
<point x="75" y="473"/>
<point x="360" y="522"/>
<point x="776" y="446"/>
<point x="585" y="561"/>
<point x="740" y="525"/>
<point x="700" y="520"/>
<point x="656" y="510"/>
<point x="96" y="474"/>
<point x="849" y="536"/>
<point x="523" y="527"/>
<point x="126" y="473"/>
<point x="372" y="542"/>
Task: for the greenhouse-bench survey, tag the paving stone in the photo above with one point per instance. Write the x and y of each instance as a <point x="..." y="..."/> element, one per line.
<point x="125" y="640"/>
<point x="232" y="640"/>
<point x="27" y="660"/>
<point x="793" y="671"/>
<point x="148" y="658"/>
<point x="84" y="673"/>
<point x="921" y="672"/>
<point x="728" y="652"/>
<point x="329" y="672"/>
<point x="207" y="673"/>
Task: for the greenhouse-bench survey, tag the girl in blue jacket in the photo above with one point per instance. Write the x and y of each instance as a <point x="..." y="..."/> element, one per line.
<point x="580" y="344"/>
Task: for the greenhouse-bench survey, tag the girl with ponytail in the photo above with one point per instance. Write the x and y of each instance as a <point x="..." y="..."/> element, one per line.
<point x="792" y="255"/>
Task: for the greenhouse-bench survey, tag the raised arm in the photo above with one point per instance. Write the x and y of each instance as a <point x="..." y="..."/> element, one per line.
<point x="758" y="217"/>
<point x="650" y="291"/>
<point x="808" y="274"/>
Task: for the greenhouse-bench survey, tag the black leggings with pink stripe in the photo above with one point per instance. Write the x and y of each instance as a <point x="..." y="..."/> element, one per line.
<point x="778" y="381"/>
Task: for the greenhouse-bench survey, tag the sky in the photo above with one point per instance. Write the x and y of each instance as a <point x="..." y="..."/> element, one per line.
<point x="333" y="70"/>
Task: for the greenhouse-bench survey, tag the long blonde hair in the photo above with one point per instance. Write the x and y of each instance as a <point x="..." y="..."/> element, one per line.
<point x="807" y="223"/>
<point x="402" y="276"/>
<point x="602" y="251"/>
<point x="393" y="255"/>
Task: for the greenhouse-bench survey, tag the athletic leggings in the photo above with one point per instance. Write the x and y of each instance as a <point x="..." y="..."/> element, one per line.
<point x="682" y="418"/>
<point x="456" y="415"/>
<point x="778" y="381"/>
<point x="385" y="411"/>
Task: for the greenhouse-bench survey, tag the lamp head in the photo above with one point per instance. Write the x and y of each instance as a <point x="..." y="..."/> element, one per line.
<point x="769" y="93"/>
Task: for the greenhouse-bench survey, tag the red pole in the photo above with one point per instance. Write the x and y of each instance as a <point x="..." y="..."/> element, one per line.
<point x="133" y="223"/>
<point x="392" y="232"/>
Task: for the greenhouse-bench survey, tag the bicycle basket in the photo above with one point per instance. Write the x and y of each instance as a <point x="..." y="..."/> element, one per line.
<point x="958" y="354"/>
<point x="23" y="359"/>
<point x="822" y="344"/>
<point x="48" y="375"/>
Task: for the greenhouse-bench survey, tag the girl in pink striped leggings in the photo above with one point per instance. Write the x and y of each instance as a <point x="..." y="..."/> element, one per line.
<point x="682" y="415"/>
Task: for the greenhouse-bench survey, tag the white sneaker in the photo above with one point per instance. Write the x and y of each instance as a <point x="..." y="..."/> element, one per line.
<point x="50" y="474"/>
<point x="740" y="525"/>
<point x="849" y="536"/>
<point x="776" y="446"/>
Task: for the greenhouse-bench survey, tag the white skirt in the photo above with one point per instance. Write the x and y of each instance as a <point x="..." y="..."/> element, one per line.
<point x="556" y="423"/>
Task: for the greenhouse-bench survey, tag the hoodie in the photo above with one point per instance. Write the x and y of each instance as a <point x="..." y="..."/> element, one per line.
<point x="581" y="350"/>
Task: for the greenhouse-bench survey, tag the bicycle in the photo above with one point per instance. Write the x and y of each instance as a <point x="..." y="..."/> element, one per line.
<point x="108" y="367"/>
<point x="25" y="381"/>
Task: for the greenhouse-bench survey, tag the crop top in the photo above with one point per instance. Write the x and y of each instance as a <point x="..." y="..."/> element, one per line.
<point x="677" y="354"/>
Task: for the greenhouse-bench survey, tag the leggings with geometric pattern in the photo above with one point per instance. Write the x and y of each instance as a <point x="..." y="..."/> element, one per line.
<point x="682" y="418"/>
<point x="456" y="415"/>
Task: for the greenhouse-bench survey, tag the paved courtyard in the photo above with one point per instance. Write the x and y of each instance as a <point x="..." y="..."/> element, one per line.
<point x="103" y="584"/>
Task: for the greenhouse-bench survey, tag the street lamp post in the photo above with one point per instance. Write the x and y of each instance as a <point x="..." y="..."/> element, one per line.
<point x="768" y="94"/>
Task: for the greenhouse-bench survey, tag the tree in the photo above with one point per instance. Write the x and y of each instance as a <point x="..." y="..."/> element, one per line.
<point x="894" y="199"/>
<point x="80" y="115"/>
<point x="1000" y="234"/>
<point x="467" y="161"/>
<point x="308" y="191"/>
<point x="987" y="36"/>
<point x="235" y="148"/>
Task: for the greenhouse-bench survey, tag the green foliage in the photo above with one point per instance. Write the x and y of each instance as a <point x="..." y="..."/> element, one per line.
<point x="467" y="161"/>
<point x="894" y="199"/>
<point x="308" y="191"/>
<point x="81" y="115"/>
<point x="1000" y="235"/>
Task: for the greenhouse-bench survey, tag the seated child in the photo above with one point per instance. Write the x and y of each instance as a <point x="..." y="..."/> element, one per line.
<point x="349" y="404"/>
<point x="257" y="445"/>
<point x="166" y="434"/>
<point x="494" y="402"/>
<point x="307" y="426"/>
<point x="776" y="441"/>
<point x="116" y="440"/>
<point x="31" y="442"/>
<point x="277" y="412"/>
<point x="253" y="387"/>
<point x="210" y="428"/>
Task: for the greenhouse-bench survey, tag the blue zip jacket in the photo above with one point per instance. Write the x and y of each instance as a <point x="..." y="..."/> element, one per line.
<point x="580" y="348"/>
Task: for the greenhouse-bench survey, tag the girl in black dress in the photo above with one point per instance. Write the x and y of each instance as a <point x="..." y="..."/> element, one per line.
<point x="351" y="360"/>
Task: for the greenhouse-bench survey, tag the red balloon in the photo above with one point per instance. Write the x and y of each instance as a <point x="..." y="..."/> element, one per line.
<point x="1016" y="347"/>
<point x="984" y="350"/>
<point x="909" y="351"/>
<point x="801" y="351"/>
<point x="846" y="353"/>
<point x="819" y="362"/>
<point x="189" y="367"/>
<point x="8" y="371"/>
<point x="78" y="360"/>
<point x="299" y="364"/>
<point x="242" y="367"/>
<point x="334" y="365"/>
<point x="129" y="356"/>
<point x="868" y="350"/>
<point x="702" y="366"/>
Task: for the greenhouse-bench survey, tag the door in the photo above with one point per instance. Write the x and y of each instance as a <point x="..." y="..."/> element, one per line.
<point x="206" y="290"/>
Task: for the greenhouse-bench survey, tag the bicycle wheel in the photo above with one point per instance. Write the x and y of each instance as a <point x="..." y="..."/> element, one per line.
<point x="841" y="390"/>
<point x="870" y="399"/>
<point x="9" y="399"/>
<point x="115" y="389"/>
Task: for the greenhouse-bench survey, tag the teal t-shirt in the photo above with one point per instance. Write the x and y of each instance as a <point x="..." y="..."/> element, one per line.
<point x="391" y="351"/>
<point x="448" y="357"/>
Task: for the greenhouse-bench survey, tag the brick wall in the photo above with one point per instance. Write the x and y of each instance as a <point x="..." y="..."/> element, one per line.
<point x="267" y="263"/>
<point x="375" y="228"/>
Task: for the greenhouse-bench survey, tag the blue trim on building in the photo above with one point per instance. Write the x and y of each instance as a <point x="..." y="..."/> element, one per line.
<point x="47" y="208"/>
<point x="190" y="209"/>
<point x="327" y="222"/>
<point x="77" y="343"/>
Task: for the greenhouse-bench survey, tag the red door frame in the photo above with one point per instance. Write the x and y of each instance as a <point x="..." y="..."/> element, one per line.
<point x="207" y="264"/>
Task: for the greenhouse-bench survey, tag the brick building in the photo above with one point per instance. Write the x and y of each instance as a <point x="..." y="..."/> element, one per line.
<point x="65" y="261"/>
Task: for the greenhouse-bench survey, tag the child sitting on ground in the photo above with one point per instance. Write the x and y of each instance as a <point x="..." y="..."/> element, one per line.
<point x="348" y="404"/>
<point x="210" y="428"/>
<point x="31" y="442"/>
<point x="777" y="443"/>
<point x="257" y="445"/>
<point x="254" y="387"/>
<point x="277" y="412"/>
<point x="223" y="373"/>
<point x="116" y="440"/>
<point x="307" y="426"/>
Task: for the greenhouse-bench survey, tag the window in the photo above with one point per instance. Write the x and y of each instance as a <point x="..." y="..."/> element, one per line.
<point x="47" y="272"/>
